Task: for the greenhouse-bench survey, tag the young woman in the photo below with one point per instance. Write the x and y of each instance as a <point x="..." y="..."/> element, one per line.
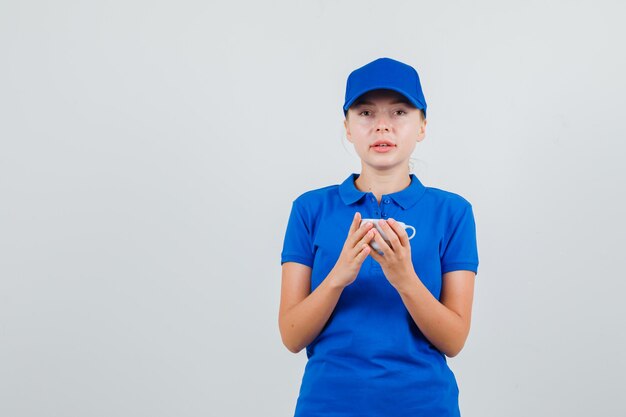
<point x="378" y="324"/>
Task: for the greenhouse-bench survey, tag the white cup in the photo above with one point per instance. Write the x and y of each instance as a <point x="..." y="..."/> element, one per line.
<point x="382" y="234"/>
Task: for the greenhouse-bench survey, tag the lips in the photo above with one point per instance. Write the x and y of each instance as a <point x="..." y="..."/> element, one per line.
<point x="383" y="146"/>
<point x="381" y="142"/>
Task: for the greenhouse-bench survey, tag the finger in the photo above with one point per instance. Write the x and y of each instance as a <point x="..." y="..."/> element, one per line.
<point x="374" y="253"/>
<point x="400" y="231"/>
<point x="365" y="250"/>
<point x="382" y="243"/>
<point x="391" y="234"/>
<point x="369" y="235"/>
<point x="356" y="220"/>
<point x="354" y="227"/>
<point x="360" y="233"/>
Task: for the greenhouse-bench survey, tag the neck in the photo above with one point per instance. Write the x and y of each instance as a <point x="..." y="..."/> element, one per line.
<point x="381" y="184"/>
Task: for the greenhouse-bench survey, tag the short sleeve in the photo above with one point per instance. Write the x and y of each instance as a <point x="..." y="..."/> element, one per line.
<point x="297" y="246"/>
<point x="460" y="251"/>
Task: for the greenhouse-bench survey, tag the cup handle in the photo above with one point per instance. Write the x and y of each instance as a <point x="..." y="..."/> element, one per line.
<point x="410" y="227"/>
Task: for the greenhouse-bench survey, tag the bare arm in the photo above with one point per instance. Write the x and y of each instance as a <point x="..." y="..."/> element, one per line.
<point x="302" y="315"/>
<point x="445" y="324"/>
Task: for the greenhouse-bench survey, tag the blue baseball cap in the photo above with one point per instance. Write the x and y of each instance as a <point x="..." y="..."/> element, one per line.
<point x="385" y="73"/>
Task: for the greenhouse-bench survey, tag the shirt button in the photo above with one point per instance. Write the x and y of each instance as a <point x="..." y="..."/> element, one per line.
<point x="386" y="201"/>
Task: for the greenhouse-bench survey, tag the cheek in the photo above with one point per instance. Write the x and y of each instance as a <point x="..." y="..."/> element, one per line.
<point x="361" y="122"/>
<point x="358" y="130"/>
<point x="410" y="130"/>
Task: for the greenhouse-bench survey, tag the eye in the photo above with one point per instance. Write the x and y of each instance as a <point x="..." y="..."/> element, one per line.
<point x="401" y="112"/>
<point x="365" y="113"/>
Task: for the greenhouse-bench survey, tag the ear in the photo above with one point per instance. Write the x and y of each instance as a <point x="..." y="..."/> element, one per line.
<point x="346" y="125"/>
<point x="422" y="131"/>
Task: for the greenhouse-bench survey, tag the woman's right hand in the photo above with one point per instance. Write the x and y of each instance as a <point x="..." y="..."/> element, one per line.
<point x="355" y="250"/>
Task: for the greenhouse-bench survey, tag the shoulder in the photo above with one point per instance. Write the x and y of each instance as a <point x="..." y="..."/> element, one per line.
<point x="310" y="205"/>
<point x="446" y="198"/>
<point x="316" y="196"/>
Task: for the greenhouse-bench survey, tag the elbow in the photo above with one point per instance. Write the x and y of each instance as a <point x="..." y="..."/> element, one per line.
<point x="287" y="342"/>
<point x="291" y="347"/>
<point x="453" y="351"/>
<point x="457" y="347"/>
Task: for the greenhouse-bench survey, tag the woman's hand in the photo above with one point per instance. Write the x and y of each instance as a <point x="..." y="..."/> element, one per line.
<point x="355" y="250"/>
<point x="396" y="259"/>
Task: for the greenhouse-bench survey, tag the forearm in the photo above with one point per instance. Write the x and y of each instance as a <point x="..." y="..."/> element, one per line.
<point x="304" y="321"/>
<point x="444" y="328"/>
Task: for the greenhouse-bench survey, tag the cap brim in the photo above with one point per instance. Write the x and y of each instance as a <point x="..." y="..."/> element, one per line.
<point x="349" y="103"/>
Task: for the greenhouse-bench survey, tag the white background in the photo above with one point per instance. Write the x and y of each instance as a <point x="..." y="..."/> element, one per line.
<point x="150" y="152"/>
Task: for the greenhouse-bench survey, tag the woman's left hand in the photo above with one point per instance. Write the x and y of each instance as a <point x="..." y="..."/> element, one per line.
<point x="396" y="259"/>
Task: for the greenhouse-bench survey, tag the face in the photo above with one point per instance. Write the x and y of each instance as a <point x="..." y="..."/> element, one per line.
<point x="384" y="115"/>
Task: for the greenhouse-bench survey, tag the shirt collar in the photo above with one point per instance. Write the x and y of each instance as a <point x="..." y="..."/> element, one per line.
<point x="405" y="198"/>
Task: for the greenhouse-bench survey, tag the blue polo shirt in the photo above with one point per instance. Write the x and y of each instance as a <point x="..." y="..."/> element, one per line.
<point x="371" y="359"/>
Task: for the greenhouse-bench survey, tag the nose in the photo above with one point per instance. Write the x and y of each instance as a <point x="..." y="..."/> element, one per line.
<point x="382" y="123"/>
